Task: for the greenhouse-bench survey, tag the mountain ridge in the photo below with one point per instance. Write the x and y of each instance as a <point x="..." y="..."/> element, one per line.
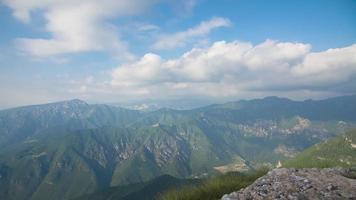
<point x="83" y="102"/>
<point x="97" y="146"/>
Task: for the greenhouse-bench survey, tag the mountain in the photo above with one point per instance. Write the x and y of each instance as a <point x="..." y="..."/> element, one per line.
<point x="339" y="151"/>
<point x="307" y="181"/>
<point x="176" y="104"/>
<point x="338" y="108"/>
<point x="19" y="124"/>
<point x="68" y="149"/>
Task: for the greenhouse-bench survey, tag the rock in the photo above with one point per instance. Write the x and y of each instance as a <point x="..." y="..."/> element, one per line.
<point x="331" y="187"/>
<point x="300" y="184"/>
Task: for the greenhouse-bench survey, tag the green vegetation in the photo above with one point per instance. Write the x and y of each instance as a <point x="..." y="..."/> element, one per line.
<point x="336" y="152"/>
<point x="339" y="151"/>
<point x="140" y="191"/>
<point x="68" y="149"/>
<point x="215" y="187"/>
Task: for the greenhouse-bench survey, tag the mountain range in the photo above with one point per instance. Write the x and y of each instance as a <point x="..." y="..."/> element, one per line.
<point x="68" y="149"/>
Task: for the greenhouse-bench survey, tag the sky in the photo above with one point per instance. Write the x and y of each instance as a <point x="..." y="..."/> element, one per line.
<point x="119" y="51"/>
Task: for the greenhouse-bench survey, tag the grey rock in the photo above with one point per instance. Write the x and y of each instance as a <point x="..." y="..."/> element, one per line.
<point x="300" y="184"/>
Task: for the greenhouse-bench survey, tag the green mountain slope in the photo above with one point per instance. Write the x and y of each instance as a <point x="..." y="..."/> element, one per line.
<point x="140" y="191"/>
<point x="214" y="187"/>
<point x="339" y="151"/>
<point x="19" y="124"/>
<point x="70" y="164"/>
<point x="69" y="149"/>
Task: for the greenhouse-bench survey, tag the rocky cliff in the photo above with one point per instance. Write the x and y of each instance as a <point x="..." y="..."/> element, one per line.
<point x="311" y="183"/>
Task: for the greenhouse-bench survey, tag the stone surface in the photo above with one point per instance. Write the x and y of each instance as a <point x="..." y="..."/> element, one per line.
<point x="300" y="184"/>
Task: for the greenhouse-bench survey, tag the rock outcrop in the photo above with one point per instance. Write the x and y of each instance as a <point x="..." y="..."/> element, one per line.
<point x="311" y="183"/>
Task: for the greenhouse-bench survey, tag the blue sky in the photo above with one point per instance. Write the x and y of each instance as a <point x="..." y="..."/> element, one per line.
<point x="122" y="51"/>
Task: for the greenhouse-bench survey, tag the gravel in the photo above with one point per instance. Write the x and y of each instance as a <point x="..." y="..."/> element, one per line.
<point x="300" y="184"/>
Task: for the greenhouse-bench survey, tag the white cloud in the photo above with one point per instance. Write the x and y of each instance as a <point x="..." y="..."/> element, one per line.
<point x="240" y="69"/>
<point x="147" y="27"/>
<point x="331" y="66"/>
<point x="147" y="69"/>
<point x="76" y="25"/>
<point x="180" y="39"/>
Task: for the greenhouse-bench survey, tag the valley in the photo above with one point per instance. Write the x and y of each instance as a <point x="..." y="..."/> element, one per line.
<point x="68" y="149"/>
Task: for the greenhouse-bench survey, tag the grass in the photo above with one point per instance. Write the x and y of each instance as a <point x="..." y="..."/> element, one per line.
<point x="331" y="153"/>
<point x="215" y="187"/>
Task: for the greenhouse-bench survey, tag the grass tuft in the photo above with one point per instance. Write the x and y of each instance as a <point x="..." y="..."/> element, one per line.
<point x="215" y="187"/>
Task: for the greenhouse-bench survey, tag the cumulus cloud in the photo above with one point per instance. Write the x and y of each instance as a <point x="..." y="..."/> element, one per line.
<point x="76" y="25"/>
<point x="148" y="69"/>
<point x="180" y="39"/>
<point x="331" y="66"/>
<point x="232" y="69"/>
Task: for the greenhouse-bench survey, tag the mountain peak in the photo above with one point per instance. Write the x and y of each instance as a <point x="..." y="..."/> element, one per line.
<point x="73" y="103"/>
<point x="276" y="98"/>
<point x="76" y="101"/>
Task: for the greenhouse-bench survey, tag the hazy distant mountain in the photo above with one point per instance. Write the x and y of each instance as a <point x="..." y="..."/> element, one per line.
<point x="176" y="104"/>
<point x="67" y="149"/>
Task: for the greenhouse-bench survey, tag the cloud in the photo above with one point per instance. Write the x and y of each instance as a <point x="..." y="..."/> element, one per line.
<point x="239" y="69"/>
<point x="331" y="66"/>
<point x="147" y="69"/>
<point x="221" y="72"/>
<point x="147" y="27"/>
<point x="76" y="26"/>
<point x="180" y="39"/>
